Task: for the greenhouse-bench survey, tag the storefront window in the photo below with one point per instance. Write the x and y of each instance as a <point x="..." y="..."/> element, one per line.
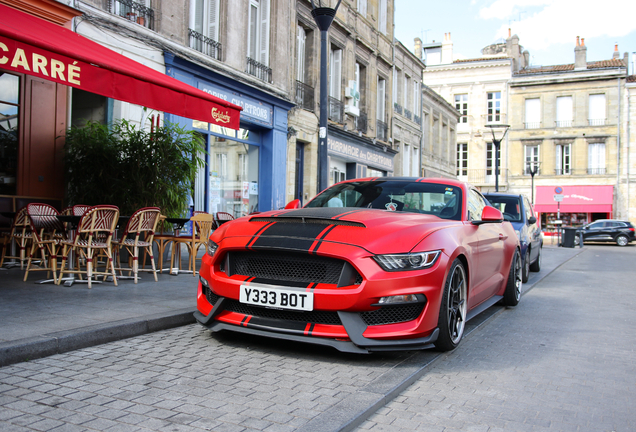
<point x="9" y="110"/>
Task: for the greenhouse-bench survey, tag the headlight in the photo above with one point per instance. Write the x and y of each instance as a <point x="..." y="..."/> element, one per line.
<point x="411" y="261"/>
<point x="212" y="247"/>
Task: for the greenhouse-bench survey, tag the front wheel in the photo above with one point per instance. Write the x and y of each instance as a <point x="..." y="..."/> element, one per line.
<point x="452" y="311"/>
<point x="513" y="287"/>
<point x="526" y="267"/>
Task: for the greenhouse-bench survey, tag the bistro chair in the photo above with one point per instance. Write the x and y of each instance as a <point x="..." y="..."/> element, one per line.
<point x="20" y="234"/>
<point x="202" y="224"/>
<point x="94" y="234"/>
<point x="139" y="233"/>
<point x="47" y="233"/>
<point x="162" y="240"/>
<point x="220" y="218"/>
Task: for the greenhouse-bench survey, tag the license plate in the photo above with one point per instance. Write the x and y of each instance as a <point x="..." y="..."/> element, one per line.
<point x="277" y="297"/>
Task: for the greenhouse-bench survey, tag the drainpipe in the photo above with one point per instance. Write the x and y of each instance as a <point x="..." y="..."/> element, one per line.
<point x="618" y="143"/>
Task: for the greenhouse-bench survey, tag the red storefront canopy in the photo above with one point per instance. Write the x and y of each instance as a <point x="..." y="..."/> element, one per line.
<point x="36" y="47"/>
<point x="576" y="199"/>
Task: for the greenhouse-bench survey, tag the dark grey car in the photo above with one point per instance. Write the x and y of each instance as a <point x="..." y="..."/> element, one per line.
<point x="606" y="230"/>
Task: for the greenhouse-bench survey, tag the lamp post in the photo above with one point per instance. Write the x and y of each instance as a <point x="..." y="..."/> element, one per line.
<point x="533" y="168"/>
<point x="323" y="16"/>
<point x="497" y="142"/>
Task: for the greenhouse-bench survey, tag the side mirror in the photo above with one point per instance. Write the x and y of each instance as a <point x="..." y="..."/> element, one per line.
<point x="294" y="204"/>
<point x="532" y="220"/>
<point x="489" y="215"/>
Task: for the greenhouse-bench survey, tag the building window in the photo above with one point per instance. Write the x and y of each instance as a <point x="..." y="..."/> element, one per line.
<point x="381" y="108"/>
<point x="406" y="160"/>
<point x="533" y="113"/>
<point x="204" y="27"/>
<point x="362" y="7"/>
<point x="564" y="111"/>
<point x="563" y="159"/>
<point x="494" y="107"/>
<point x="417" y="112"/>
<point x="461" y="105"/>
<point x="221" y="165"/>
<point x="531" y="159"/>
<point x="383" y="16"/>
<point x="335" y="73"/>
<point x="139" y="12"/>
<point x="9" y="126"/>
<point x="300" y="54"/>
<point x="596" y="159"/>
<point x="415" y="170"/>
<point x="258" y="34"/>
<point x="462" y="159"/>
<point x="490" y="157"/>
<point x="596" y="114"/>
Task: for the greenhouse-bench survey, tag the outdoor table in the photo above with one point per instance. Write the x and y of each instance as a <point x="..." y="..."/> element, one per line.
<point x="177" y="225"/>
<point x="73" y="222"/>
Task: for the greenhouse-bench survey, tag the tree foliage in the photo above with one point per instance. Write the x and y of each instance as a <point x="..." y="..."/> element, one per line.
<point x="131" y="167"/>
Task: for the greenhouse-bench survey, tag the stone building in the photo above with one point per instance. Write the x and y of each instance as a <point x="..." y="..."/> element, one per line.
<point x="627" y="181"/>
<point x="565" y="122"/>
<point x="360" y="81"/>
<point x="478" y="89"/>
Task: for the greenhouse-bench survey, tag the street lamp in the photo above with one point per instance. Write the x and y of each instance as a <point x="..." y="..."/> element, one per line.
<point x="533" y="168"/>
<point x="496" y="143"/>
<point x="324" y="17"/>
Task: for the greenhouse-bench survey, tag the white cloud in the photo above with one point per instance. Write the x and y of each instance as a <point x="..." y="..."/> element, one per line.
<point x="561" y="21"/>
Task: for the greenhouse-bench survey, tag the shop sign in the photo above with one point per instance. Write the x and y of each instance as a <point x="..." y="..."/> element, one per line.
<point x="253" y="110"/>
<point x="360" y="154"/>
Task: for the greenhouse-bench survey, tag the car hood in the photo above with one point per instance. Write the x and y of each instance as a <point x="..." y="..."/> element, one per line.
<point x="378" y="231"/>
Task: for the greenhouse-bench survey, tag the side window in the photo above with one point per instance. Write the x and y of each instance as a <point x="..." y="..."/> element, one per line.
<point x="528" y="206"/>
<point x="476" y="204"/>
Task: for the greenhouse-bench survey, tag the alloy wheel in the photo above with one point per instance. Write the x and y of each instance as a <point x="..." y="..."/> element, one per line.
<point x="457" y="304"/>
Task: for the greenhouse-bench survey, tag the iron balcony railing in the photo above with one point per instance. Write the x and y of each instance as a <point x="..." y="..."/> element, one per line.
<point x="597" y="171"/>
<point x="133" y="11"/>
<point x="408" y="114"/>
<point x="532" y="125"/>
<point x="397" y="108"/>
<point x="305" y="96"/>
<point x="204" y="44"/>
<point x="361" y="122"/>
<point x="563" y="123"/>
<point x="596" y="122"/>
<point x="381" y="131"/>
<point x="417" y="119"/>
<point x="259" y="70"/>
<point x="336" y="110"/>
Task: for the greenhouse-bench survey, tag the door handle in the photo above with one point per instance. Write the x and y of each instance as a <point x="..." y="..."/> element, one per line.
<point x="502" y="237"/>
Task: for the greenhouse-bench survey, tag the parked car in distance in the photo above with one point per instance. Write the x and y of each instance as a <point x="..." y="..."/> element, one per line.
<point x="402" y="264"/>
<point x="518" y="211"/>
<point x="606" y="230"/>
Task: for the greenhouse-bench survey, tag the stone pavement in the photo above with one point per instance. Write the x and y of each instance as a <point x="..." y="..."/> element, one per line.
<point x="187" y="379"/>
<point x="562" y="360"/>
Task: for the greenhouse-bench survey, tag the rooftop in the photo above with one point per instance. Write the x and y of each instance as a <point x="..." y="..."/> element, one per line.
<point x="603" y="64"/>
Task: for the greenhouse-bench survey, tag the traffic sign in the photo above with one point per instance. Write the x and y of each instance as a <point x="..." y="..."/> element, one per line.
<point x="558" y="190"/>
<point x="558" y="197"/>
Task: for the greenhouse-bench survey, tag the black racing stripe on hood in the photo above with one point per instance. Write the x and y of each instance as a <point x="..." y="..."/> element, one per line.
<point x="288" y="236"/>
<point x="320" y="212"/>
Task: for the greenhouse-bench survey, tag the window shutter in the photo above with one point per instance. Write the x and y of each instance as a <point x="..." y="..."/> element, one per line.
<point x="381" y="97"/>
<point x="362" y="7"/>
<point x="335" y="86"/>
<point x="383" y="13"/>
<point x="302" y="37"/>
<point x="264" y="32"/>
<point x="253" y="32"/>
<point x="395" y="85"/>
<point x="213" y="20"/>
<point x="407" y="160"/>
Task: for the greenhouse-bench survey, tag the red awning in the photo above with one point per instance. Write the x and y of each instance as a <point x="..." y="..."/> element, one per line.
<point x="576" y="199"/>
<point x="36" y="47"/>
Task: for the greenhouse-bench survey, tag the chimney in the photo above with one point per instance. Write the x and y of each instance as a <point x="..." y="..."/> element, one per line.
<point x="616" y="53"/>
<point x="447" y="49"/>
<point x="580" y="54"/>
<point x="418" y="48"/>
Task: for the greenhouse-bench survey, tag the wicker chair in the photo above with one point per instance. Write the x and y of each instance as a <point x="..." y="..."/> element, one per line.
<point x="94" y="234"/>
<point x="47" y="234"/>
<point x="221" y="217"/>
<point x="202" y="225"/>
<point x="139" y="233"/>
<point x="20" y="234"/>
<point x="162" y="239"/>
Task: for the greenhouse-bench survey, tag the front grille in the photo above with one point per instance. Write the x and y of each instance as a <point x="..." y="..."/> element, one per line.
<point x="393" y="314"/>
<point x="288" y="267"/>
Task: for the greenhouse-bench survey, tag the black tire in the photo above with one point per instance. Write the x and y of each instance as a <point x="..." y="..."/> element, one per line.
<point x="525" y="275"/>
<point x="622" y="240"/>
<point x="453" y="309"/>
<point x="514" y="285"/>
<point x="536" y="265"/>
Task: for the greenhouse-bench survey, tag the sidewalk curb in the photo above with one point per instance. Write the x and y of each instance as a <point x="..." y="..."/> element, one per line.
<point x="69" y="340"/>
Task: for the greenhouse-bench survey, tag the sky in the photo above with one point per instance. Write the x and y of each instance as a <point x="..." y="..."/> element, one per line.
<point x="546" y="28"/>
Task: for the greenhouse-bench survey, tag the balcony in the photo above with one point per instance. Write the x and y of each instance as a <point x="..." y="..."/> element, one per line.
<point x="408" y="114"/>
<point x="532" y="125"/>
<point x="562" y="123"/>
<point x="336" y="110"/>
<point x="133" y="11"/>
<point x="382" y="131"/>
<point x="417" y="119"/>
<point x="361" y="122"/>
<point x="597" y="171"/>
<point x="204" y="44"/>
<point x="397" y="108"/>
<point x="596" y="122"/>
<point x="259" y="70"/>
<point x="305" y="96"/>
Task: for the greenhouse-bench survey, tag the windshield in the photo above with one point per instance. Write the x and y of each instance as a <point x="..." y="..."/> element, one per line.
<point x="403" y="196"/>
<point x="509" y="206"/>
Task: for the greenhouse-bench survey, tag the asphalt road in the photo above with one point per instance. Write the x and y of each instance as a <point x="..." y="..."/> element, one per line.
<point x="561" y="360"/>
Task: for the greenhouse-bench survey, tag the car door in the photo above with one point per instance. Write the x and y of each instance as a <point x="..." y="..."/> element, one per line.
<point x="534" y="232"/>
<point x="489" y="252"/>
<point x="595" y="231"/>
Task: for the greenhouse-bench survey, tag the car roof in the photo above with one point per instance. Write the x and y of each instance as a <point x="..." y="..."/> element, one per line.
<point x="500" y="194"/>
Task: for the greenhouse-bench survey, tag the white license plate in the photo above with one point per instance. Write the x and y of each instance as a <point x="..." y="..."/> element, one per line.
<point x="277" y="297"/>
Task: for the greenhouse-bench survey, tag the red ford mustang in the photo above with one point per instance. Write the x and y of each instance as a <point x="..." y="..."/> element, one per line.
<point x="379" y="264"/>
